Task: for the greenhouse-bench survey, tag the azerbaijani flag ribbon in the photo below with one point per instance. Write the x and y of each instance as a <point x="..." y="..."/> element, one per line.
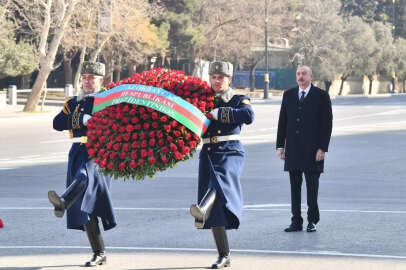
<point x="155" y="98"/>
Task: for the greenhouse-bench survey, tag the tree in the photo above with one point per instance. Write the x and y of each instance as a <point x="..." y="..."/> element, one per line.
<point x="315" y="44"/>
<point x="385" y="11"/>
<point x="15" y="58"/>
<point x="400" y="61"/>
<point x="48" y="18"/>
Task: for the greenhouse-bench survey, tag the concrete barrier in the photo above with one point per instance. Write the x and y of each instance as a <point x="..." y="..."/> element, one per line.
<point x="12" y="95"/>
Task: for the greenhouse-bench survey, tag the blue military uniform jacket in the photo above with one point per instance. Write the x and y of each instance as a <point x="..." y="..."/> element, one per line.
<point x="97" y="199"/>
<point x="221" y="164"/>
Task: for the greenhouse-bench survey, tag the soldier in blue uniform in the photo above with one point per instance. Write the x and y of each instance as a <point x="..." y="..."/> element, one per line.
<point x="87" y="196"/>
<point x="222" y="157"/>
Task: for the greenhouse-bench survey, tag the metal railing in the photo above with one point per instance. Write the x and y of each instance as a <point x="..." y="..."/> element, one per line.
<point x="12" y="92"/>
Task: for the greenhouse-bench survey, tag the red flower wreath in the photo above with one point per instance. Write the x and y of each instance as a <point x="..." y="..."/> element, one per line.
<point x="132" y="141"/>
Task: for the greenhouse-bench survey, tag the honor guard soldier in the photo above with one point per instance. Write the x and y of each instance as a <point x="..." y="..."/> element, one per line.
<point x="87" y="196"/>
<point x="221" y="161"/>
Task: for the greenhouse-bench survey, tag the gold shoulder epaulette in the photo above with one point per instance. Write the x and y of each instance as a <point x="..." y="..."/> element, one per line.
<point x="245" y="101"/>
<point x="66" y="108"/>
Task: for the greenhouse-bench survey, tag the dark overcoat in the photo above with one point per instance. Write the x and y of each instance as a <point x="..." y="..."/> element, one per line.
<point x="304" y="128"/>
<point x="96" y="201"/>
<point x="221" y="164"/>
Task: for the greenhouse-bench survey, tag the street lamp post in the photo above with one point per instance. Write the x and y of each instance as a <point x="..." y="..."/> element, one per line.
<point x="266" y="77"/>
<point x="394" y="19"/>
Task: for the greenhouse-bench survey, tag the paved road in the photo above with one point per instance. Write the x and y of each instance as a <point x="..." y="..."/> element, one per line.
<point x="362" y="195"/>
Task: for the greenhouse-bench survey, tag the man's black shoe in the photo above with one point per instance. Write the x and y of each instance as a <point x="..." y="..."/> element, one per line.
<point x="293" y="228"/>
<point x="311" y="227"/>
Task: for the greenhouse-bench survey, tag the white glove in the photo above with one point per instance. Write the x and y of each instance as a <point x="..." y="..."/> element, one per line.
<point x="215" y="113"/>
<point x="86" y="117"/>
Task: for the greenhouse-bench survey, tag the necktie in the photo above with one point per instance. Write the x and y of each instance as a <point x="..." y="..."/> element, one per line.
<point x="302" y="97"/>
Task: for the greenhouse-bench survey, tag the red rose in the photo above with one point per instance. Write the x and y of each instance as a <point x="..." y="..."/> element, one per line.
<point x="152" y="142"/>
<point x="121" y="129"/>
<point x="106" y="155"/>
<point x="163" y="119"/>
<point x="134" y="136"/>
<point x="152" y="160"/>
<point x="155" y="125"/>
<point x="169" y="139"/>
<point x="133" y="112"/>
<point x="114" y="127"/>
<point x="141" y="110"/>
<point x="173" y="147"/>
<point x="145" y="126"/>
<point x="107" y="132"/>
<point x="161" y="142"/>
<point x="154" y="116"/>
<point x="159" y="134"/>
<point x="91" y="152"/>
<point x="165" y="150"/>
<point x="101" y="152"/>
<point x="144" y="153"/>
<point x="188" y="136"/>
<point x="177" y="133"/>
<point x="144" y="116"/>
<point x="144" y="144"/>
<point x="134" y="154"/>
<point x="174" y="123"/>
<point x="110" y="85"/>
<point x="181" y="143"/>
<point x="123" y="155"/>
<point x="141" y="162"/>
<point x="110" y="166"/>
<point x="133" y="164"/>
<point x="151" y="134"/>
<point x="134" y="120"/>
<point x="137" y="127"/>
<point x="178" y="155"/>
<point x="119" y="139"/>
<point x="129" y="128"/>
<point x="143" y="136"/>
<point x="122" y="166"/>
<point x="164" y="159"/>
<point x="116" y="146"/>
<point x="97" y="146"/>
<point x="167" y="128"/>
<point x="125" y="120"/>
<point x="126" y="137"/>
<point x="113" y="155"/>
<point x="103" y="163"/>
<point x="126" y="108"/>
<point x="135" y="145"/>
<point x="150" y="152"/>
<point x="185" y="150"/>
<point x="192" y="144"/>
<point x="126" y="147"/>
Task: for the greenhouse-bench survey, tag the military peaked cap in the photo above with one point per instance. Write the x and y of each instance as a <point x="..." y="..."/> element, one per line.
<point x="220" y="67"/>
<point x="96" y="68"/>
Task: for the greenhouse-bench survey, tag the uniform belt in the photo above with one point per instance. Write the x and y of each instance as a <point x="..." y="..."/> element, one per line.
<point x="217" y="139"/>
<point x="82" y="139"/>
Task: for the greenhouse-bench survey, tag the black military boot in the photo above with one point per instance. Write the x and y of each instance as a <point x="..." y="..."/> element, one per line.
<point x="220" y="237"/>
<point x="96" y="242"/>
<point x="68" y="198"/>
<point x="202" y="211"/>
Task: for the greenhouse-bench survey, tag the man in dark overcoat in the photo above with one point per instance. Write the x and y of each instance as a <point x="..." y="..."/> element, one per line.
<point x="87" y="196"/>
<point x="221" y="162"/>
<point x="304" y="131"/>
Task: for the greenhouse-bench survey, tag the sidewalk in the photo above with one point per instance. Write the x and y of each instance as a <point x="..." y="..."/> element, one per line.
<point x="138" y="260"/>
